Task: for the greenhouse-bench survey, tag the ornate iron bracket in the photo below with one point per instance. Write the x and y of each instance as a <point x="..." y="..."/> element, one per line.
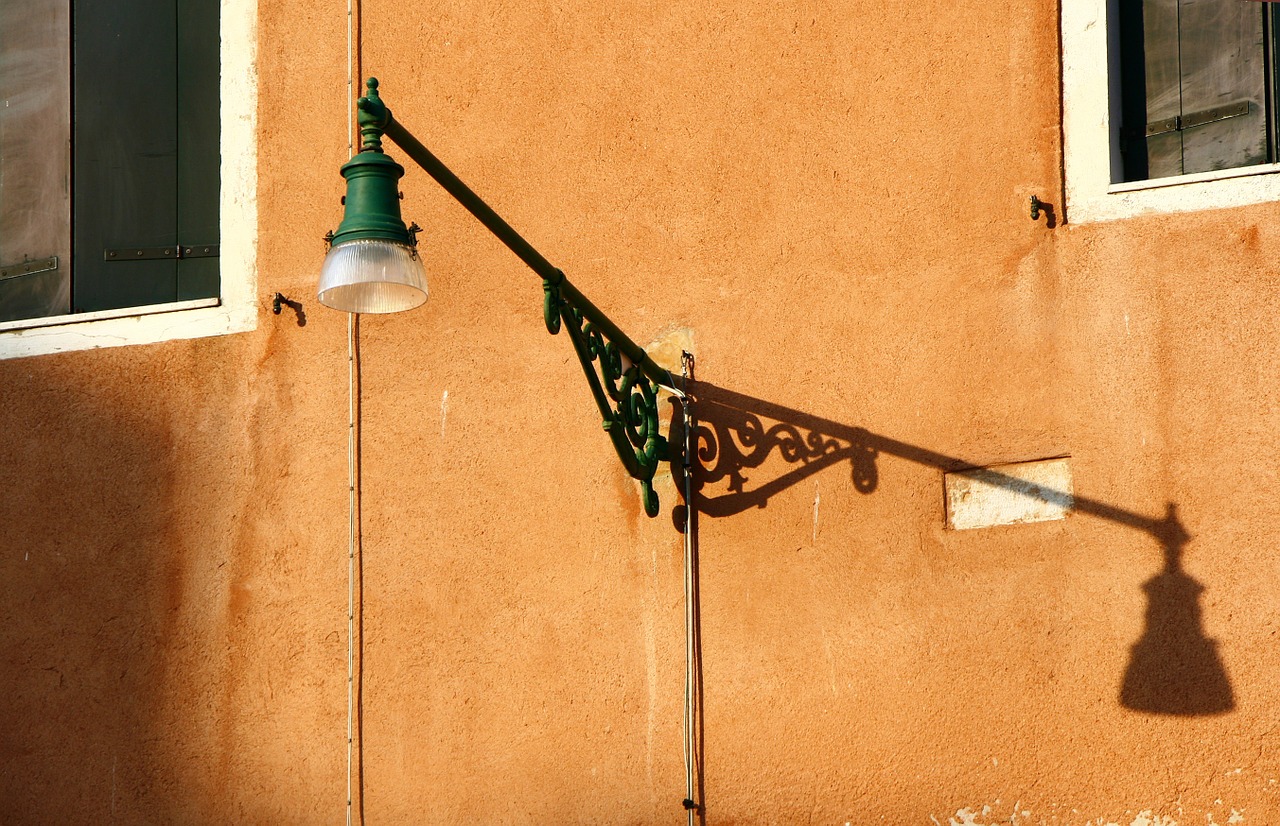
<point x="626" y="396"/>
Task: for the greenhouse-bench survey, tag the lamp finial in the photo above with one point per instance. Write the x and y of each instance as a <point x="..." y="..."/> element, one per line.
<point x="372" y="117"/>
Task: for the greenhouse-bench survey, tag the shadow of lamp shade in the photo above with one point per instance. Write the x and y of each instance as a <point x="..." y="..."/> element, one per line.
<point x="1174" y="668"/>
<point x="373" y="264"/>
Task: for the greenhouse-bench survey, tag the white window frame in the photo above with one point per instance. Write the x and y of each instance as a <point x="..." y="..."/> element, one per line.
<point x="236" y="309"/>
<point x="1091" y="151"/>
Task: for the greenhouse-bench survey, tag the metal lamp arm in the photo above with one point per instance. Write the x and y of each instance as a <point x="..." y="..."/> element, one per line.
<point x="624" y="379"/>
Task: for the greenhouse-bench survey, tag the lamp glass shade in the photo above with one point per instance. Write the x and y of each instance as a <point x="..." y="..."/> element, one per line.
<point x="371" y="275"/>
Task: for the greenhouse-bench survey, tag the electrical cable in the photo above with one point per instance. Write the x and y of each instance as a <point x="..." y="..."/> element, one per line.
<point x="351" y="448"/>
<point x="351" y="548"/>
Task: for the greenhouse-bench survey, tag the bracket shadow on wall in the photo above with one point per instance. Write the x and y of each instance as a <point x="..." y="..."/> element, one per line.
<point x="1173" y="669"/>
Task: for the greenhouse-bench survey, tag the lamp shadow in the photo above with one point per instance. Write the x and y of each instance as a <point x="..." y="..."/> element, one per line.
<point x="1174" y="668"/>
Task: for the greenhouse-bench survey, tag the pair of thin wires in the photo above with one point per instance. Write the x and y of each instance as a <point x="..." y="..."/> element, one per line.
<point x="351" y="446"/>
<point x="690" y="601"/>
<point x="351" y="552"/>
<point x="690" y="595"/>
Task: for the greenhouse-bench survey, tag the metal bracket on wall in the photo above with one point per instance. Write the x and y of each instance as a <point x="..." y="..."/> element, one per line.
<point x="153" y="253"/>
<point x="27" y="267"/>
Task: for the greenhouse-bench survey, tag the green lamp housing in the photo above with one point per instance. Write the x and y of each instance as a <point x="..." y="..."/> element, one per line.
<point x="372" y="265"/>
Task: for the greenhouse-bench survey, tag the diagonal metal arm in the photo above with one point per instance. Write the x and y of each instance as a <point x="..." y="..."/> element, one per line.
<point x="624" y="380"/>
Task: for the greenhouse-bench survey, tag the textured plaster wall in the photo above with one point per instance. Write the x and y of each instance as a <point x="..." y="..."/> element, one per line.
<point x="832" y="199"/>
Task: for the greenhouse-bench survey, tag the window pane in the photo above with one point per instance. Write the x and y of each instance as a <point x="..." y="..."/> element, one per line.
<point x="34" y="174"/>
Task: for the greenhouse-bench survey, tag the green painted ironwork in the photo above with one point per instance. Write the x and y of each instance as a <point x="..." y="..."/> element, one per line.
<point x="624" y="380"/>
<point x="626" y="397"/>
<point x="373" y="184"/>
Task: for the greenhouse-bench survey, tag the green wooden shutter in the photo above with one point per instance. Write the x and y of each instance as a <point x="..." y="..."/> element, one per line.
<point x="198" y="140"/>
<point x="145" y="103"/>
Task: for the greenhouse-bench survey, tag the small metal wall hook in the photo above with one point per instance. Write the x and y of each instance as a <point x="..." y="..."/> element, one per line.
<point x="279" y="302"/>
<point x="1036" y="206"/>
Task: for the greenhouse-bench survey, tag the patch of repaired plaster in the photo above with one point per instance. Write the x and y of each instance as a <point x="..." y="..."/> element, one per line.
<point x="668" y="346"/>
<point x="1148" y="818"/>
<point x="988" y="815"/>
<point x="1009" y="494"/>
<point x="667" y="350"/>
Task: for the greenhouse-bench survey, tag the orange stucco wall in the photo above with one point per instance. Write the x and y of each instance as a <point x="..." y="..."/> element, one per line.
<point x="831" y="201"/>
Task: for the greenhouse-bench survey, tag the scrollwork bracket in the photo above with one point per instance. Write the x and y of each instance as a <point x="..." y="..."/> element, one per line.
<point x="623" y="385"/>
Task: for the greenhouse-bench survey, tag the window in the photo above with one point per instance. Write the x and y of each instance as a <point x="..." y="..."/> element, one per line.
<point x="1169" y="105"/>
<point x="127" y="171"/>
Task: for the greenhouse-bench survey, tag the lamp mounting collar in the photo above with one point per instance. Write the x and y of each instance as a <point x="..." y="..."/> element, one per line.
<point x="373" y="117"/>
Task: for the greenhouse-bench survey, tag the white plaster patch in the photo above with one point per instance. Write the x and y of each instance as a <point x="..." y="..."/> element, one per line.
<point x="817" y="500"/>
<point x="1009" y="494"/>
<point x="991" y="815"/>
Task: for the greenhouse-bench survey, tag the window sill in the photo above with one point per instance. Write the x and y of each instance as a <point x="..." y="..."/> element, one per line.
<point x="135" y="325"/>
<point x="101" y="315"/>
<point x="1225" y="189"/>
<point x="1198" y="177"/>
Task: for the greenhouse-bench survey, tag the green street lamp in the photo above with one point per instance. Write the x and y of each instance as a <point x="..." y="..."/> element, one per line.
<point x="373" y="267"/>
<point x="373" y="264"/>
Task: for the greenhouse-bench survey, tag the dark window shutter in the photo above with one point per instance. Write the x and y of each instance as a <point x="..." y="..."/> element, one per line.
<point x="1224" y="123"/>
<point x="198" y="141"/>
<point x="1194" y="86"/>
<point x="125" y="149"/>
<point x="145" y="104"/>
<point x="1164" y="148"/>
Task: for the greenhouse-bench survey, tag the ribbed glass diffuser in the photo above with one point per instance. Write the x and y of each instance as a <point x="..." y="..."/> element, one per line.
<point x="372" y="275"/>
